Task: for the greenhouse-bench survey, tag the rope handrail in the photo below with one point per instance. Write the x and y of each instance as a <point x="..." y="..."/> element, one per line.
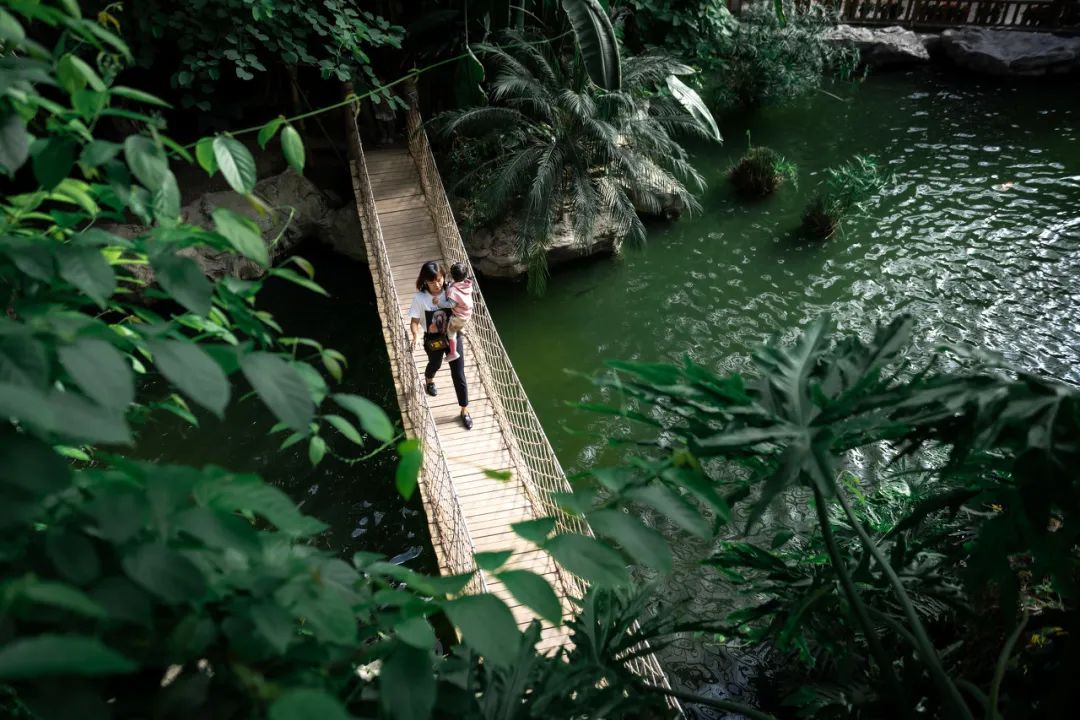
<point x="452" y="531"/>
<point x="538" y="467"/>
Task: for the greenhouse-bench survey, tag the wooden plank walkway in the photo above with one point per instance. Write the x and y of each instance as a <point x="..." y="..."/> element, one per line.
<point x="490" y="506"/>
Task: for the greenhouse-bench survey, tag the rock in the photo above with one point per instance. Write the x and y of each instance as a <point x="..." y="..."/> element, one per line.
<point x="341" y="231"/>
<point x="881" y="47"/>
<point x="494" y="253"/>
<point x="295" y="211"/>
<point x="1013" y="53"/>
<point x="932" y="43"/>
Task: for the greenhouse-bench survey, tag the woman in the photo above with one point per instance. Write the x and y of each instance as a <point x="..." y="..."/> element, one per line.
<point x="430" y="291"/>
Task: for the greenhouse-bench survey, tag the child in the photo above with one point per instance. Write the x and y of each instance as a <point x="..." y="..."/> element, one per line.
<point x="459" y="300"/>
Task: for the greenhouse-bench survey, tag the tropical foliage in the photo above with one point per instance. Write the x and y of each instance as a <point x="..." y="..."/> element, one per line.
<point x="557" y="148"/>
<point x="133" y="589"/>
<point x="244" y="39"/>
<point x="910" y="592"/>
<point x="847" y="187"/>
<point x="769" y="58"/>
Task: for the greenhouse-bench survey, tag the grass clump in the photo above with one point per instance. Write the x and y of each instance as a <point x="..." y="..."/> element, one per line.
<point x="760" y="171"/>
<point x="847" y="188"/>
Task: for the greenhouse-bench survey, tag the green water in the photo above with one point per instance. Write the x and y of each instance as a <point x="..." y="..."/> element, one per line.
<point x="992" y="267"/>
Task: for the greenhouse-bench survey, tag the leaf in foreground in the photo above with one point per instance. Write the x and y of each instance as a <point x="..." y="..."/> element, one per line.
<point x="59" y="655"/>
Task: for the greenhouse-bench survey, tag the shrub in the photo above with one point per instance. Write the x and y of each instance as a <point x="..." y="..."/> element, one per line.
<point x="848" y="186"/>
<point x="760" y="171"/>
<point x="767" y="60"/>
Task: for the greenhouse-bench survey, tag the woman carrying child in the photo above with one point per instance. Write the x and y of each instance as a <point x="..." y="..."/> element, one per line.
<point x="430" y="293"/>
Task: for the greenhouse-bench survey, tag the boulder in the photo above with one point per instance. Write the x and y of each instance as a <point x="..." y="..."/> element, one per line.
<point x="1012" y="53"/>
<point x="494" y="252"/>
<point x="295" y="210"/>
<point x="881" y="47"/>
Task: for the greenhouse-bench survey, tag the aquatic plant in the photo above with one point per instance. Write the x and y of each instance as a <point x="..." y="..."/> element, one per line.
<point x="760" y="171"/>
<point x="847" y="187"/>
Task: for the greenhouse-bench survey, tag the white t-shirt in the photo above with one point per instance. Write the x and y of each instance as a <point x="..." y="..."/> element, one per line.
<point x="423" y="302"/>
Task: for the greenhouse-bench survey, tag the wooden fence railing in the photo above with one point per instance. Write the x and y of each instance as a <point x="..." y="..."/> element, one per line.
<point x="1047" y="15"/>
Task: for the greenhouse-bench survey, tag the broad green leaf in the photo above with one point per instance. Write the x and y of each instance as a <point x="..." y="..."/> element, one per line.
<point x="193" y="372"/>
<point x="281" y="387"/>
<point x="641" y="543"/>
<point x="166" y="573"/>
<point x="535" y="531"/>
<point x="61" y="655"/>
<point x="184" y="280"/>
<point x="165" y="200"/>
<point x="344" y="427"/>
<point x="372" y="417"/>
<point x="304" y="265"/>
<point x="76" y="418"/>
<point x="267" y="132"/>
<point x="487" y="626"/>
<point x="88" y="103"/>
<point x="408" y="468"/>
<point x="597" y="41"/>
<point x="100" y="370"/>
<point x="492" y="561"/>
<point x="98" y="153"/>
<point x="533" y="591"/>
<point x="73" y="556"/>
<point x="14" y="142"/>
<point x="589" y="559"/>
<point x="416" y="632"/>
<point x="54" y="161"/>
<point x="407" y="684"/>
<point x="24" y="361"/>
<point x="62" y="596"/>
<point x="204" y="154"/>
<point x="305" y="704"/>
<point x="298" y="279"/>
<point x="137" y="96"/>
<point x="677" y="508"/>
<point x="88" y="270"/>
<point x="235" y="493"/>
<point x="242" y="234"/>
<point x="236" y="164"/>
<point x="146" y="160"/>
<point x="74" y="74"/>
<point x="216" y="529"/>
<point x="276" y="626"/>
<point x="328" y="615"/>
<point x="316" y="450"/>
<point x="293" y="148"/>
<point x="10" y="28"/>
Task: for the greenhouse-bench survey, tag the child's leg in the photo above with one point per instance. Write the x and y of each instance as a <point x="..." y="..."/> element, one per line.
<point x="452" y="329"/>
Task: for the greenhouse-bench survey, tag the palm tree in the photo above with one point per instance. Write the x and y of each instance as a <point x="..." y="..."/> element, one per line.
<point x="559" y="145"/>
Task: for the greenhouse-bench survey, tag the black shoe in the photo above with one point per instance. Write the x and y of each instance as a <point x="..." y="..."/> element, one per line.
<point x="466" y="420"/>
<point x="429" y="388"/>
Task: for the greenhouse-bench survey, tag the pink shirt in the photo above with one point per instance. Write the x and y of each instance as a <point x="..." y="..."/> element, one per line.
<point x="460" y="293"/>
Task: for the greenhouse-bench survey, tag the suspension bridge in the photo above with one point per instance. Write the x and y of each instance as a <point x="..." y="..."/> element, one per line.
<point x="406" y="221"/>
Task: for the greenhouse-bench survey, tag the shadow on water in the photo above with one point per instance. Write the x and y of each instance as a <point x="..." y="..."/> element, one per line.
<point x="358" y="501"/>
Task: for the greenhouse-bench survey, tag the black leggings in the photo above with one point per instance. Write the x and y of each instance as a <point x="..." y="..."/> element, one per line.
<point x="457" y="371"/>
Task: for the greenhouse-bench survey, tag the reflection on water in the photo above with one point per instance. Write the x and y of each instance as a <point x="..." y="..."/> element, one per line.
<point x="977" y="238"/>
<point x="357" y="500"/>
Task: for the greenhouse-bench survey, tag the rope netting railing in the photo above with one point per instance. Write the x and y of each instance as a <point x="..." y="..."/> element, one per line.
<point x="536" y="464"/>
<point x="451" y="531"/>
